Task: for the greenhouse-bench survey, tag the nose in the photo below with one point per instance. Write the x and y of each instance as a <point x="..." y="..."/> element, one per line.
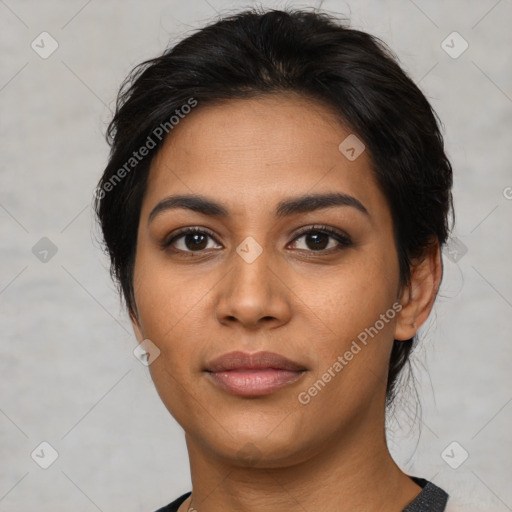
<point x="254" y="293"/>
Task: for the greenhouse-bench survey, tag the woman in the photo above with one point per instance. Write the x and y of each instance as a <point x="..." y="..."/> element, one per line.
<point x="274" y="207"/>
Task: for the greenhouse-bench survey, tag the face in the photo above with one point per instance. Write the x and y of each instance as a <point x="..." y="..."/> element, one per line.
<point x="306" y="279"/>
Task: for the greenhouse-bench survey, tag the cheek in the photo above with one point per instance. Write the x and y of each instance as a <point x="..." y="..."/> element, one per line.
<point x="352" y="296"/>
<point x="162" y="294"/>
<point x="168" y="317"/>
<point x="173" y="307"/>
<point x="355" y="306"/>
<point x="166" y="304"/>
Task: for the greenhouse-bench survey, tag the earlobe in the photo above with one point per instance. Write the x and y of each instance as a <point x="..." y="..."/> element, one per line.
<point x="417" y="299"/>
<point x="405" y="326"/>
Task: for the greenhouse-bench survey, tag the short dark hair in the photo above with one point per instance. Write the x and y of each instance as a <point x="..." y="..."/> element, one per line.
<point x="265" y="51"/>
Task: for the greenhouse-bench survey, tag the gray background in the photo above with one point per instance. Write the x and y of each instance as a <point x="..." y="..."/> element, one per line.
<point x="69" y="376"/>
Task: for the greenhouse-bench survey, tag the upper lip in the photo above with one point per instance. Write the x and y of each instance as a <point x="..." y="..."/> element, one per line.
<point x="258" y="360"/>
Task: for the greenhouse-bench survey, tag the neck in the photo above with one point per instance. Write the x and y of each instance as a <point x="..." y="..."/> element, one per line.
<point x="353" y="471"/>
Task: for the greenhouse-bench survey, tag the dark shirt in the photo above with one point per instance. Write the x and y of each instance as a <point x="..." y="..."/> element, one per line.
<point x="430" y="499"/>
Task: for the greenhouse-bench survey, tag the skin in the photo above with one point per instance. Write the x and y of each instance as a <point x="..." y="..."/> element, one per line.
<point x="306" y="304"/>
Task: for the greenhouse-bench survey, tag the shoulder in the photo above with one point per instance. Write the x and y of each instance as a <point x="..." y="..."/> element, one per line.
<point x="460" y="497"/>
<point x="431" y="497"/>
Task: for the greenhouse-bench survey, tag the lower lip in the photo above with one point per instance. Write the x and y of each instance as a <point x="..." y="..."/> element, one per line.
<point x="254" y="382"/>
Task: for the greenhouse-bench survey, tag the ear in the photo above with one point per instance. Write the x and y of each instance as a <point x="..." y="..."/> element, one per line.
<point x="418" y="298"/>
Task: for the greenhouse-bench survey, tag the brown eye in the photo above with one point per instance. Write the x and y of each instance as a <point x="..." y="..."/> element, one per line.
<point x="317" y="239"/>
<point x="189" y="240"/>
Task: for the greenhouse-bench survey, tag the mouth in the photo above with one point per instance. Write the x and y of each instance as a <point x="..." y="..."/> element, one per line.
<point x="254" y="382"/>
<point x="258" y="374"/>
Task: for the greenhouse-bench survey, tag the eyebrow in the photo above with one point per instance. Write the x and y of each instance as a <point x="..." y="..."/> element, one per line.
<point x="285" y="208"/>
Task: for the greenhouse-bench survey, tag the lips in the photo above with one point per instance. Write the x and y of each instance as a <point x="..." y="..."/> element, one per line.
<point x="257" y="361"/>
<point x="258" y="374"/>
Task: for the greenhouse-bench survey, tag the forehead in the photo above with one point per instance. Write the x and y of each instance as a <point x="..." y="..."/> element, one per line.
<point x="251" y="152"/>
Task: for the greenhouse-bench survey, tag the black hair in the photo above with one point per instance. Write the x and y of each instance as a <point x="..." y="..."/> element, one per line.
<point x="265" y="51"/>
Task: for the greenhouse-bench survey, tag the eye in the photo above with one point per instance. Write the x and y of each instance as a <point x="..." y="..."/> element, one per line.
<point x="317" y="239"/>
<point x="195" y="239"/>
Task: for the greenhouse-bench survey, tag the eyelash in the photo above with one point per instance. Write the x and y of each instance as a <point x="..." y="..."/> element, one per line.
<point x="343" y="240"/>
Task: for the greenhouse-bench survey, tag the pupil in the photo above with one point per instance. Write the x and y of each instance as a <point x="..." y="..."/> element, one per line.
<point x="321" y="246"/>
<point x="195" y="236"/>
